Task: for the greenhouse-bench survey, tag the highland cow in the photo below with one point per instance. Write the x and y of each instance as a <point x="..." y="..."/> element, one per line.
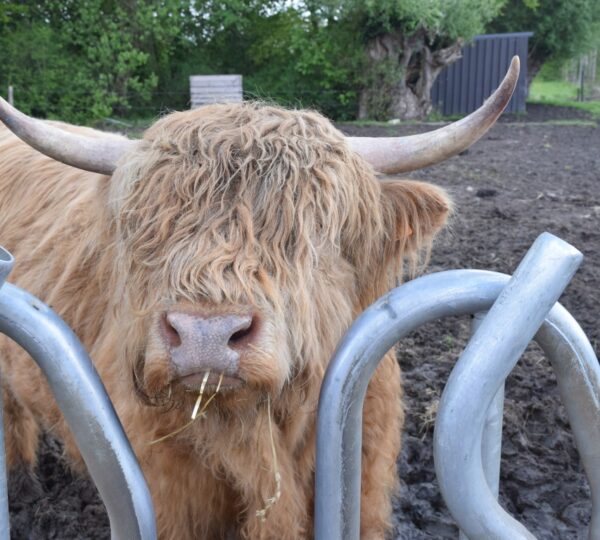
<point x="214" y="265"/>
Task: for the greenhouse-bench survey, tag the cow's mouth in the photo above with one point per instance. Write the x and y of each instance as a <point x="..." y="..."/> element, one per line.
<point x="193" y="382"/>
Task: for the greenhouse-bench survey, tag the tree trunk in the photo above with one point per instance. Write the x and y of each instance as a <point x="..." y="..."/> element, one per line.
<point x="402" y="73"/>
<point x="534" y="64"/>
<point x="374" y="99"/>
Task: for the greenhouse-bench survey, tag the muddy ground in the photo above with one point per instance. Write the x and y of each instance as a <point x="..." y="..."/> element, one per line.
<point x="523" y="178"/>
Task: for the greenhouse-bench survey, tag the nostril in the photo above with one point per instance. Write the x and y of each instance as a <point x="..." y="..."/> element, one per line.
<point x="240" y="335"/>
<point x="244" y="335"/>
<point x="171" y="334"/>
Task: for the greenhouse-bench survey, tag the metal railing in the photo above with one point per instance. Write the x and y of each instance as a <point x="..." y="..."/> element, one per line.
<point x="467" y="435"/>
<point x="83" y="400"/>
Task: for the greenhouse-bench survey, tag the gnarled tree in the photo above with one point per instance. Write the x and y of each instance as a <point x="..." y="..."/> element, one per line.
<point x="407" y="43"/>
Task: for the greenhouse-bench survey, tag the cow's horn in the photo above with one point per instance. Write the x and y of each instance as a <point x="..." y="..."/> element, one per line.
<point x="95" y="154"/>
<point x="402" y="154"/>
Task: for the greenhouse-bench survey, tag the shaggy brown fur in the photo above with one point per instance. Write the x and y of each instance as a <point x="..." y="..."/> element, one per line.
<point x="228" y="206"/>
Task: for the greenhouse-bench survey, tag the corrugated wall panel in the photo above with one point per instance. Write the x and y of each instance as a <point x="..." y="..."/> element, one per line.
<point x="463" y="86"/>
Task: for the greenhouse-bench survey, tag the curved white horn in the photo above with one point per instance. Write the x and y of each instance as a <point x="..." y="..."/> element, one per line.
<point x="394" y="155"/>
<point x="95" y="154"/>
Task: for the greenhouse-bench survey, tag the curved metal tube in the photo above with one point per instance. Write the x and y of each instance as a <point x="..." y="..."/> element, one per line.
<point x="339" y="421"/>
<point x="84" y="402"/>
<point x="491" y="439"/>
<point x="339" y="417"/>
<point x="6" y="264"/>
<point x="578" y="377"/>
<point x="485" y="363"/>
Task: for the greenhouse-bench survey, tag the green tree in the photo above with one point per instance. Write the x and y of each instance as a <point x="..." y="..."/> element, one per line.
<point x="82" y="61"/>
<point x="10" y="12"/>
<point x="561" y="28"/>
<point x="214" y="38"/>
<point x="305" y="60"/>
<point x="406" y="44"/>
<point x="285" y="52"/>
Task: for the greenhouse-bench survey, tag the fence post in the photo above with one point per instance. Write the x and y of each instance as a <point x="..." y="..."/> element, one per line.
<point x="580" y="92"/>
<point x="11" y="97"/>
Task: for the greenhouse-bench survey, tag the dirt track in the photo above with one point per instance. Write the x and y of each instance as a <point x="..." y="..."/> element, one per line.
<point x="520" y="180"/>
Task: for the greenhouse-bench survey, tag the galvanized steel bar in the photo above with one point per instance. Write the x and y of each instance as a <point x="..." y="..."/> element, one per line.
<point x="486" y="361"/>
<point x="339" y="417"/>
<point x="491" y="446"/>
<point x="491" y="441"/>
<point x="339" y="429"/>
<point x="578" y="377"/>
<point x="84" y="402"/>
<point x="6" y="264"/>
<point x="4" y="514"/>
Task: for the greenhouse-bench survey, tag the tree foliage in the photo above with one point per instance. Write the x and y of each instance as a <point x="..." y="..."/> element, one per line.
<point x="294" y="55"/>
<point x="86" y="60"/>
<point x="82" y="60"/>
<point x="561" y="28"/>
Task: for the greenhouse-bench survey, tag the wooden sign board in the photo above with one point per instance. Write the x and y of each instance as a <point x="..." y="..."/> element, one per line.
<point x="206" y="89"/>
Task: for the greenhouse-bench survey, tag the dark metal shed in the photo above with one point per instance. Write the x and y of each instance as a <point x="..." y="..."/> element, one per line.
<point x="464" y="85"/>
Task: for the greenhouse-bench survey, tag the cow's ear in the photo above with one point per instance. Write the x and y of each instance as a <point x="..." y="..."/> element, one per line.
<point x="413" y="212"/>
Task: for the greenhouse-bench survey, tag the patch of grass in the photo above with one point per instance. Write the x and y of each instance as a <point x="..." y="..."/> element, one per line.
<point x="574" y="122"/>
<point x="434" y="117"/>
<point x="560" y="94"/>
<point x="449" y="341"/>
<point x="368" y="123"/>
<point x="437" y="116"/>
<point x="548" y="91"/>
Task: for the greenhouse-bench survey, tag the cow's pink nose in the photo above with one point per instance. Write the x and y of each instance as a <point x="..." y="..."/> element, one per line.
<point x="199" y="343"/>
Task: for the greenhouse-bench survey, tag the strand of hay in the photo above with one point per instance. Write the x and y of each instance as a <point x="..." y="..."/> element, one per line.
<point x="262" y="513"/>
<point x="212" y="397"/>
<point x="195" y="413"/>
<point x="199" y="400"/>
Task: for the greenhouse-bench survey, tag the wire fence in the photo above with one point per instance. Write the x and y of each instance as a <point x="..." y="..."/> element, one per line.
<point x="341" y="104"/>
<point x="337" y="104"/>
<point x="583" y="71"/>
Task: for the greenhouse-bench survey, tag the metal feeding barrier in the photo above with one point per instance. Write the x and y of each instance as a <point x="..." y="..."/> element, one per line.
<point x="83" y="400"/>
<point x="468" y="428"/>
